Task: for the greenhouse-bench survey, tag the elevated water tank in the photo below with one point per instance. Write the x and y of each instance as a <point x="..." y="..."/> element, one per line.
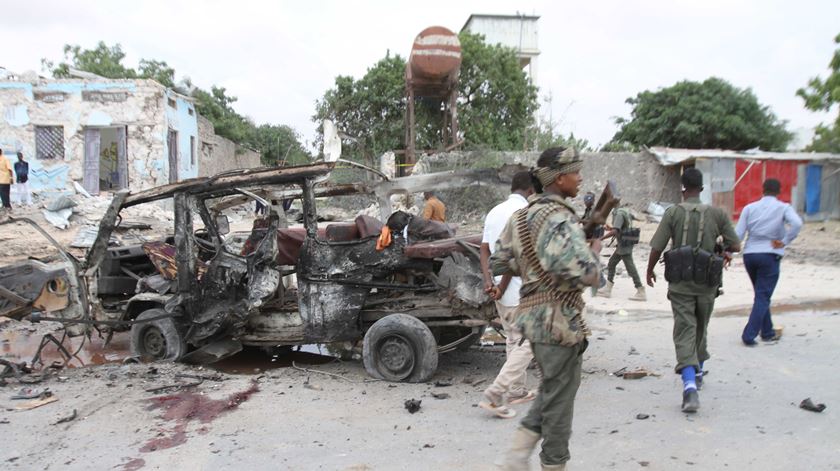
<point x="436" y="54"/>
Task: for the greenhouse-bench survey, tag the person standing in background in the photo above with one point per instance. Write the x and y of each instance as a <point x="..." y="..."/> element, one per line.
<point x="23" y="196"/>
<point x="434" y="209"/>
<point x="6" y="177"/>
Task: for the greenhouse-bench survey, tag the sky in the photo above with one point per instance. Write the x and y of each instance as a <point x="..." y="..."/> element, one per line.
<point x="279" y="57"/>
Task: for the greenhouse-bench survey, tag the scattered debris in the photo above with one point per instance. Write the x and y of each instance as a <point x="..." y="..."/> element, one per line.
<point x="31" y="393"/>
<point x="635" y="374"/>
<point x="440" y="395"/>
<point x="641" y="416"/>
<point x="428" y="445"/>
<point x="412" y="405"/>
<point x="633" y="351"/>
<point x="37" y="403"/>
<point x="66" y="419"/>
<point x="314" y="387"/>
<point x="809" y="405"/>
<point x="442" y="383"/>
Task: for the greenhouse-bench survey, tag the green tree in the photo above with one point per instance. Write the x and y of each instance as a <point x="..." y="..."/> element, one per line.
<point x="495" y="110"/>
<point x="711" y="114"/>
<point x="823" y="95"/>
<point x="497" y="100"/>
<point x="274" y="142"/>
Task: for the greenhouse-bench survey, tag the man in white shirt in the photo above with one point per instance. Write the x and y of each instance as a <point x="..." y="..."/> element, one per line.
<point x="509" y="386"/>
<point x="771" y="225"/>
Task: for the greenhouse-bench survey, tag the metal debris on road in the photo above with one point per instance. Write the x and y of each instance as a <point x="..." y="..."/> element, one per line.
<point x="412" y="405"/>
<point x="641" y="416"/>
<point x="68" y="418"/>
<point x="809" y="405"/>
<point x="440" y="395"/>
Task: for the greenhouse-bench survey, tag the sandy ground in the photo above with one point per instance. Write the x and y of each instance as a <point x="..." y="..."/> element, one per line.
<point x="311" y="420"/>
<point x="749" y="417"/>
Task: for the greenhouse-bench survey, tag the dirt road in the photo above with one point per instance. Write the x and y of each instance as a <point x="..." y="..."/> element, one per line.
<point x="286" y="418"/>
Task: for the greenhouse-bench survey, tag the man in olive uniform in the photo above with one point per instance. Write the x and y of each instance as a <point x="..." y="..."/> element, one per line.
<point x="622" y="224"/>
<point x="692" y="301"/>
<point x="545" y="245"/>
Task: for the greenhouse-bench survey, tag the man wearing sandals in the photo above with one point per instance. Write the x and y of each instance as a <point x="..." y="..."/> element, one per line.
<point x="547" y="248"/>
<point x="509" y="385"/>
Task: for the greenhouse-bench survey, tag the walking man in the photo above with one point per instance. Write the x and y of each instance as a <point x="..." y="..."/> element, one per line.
<point x="545" y="245"/>
<point x="434" y="209"/>
<point x="509" y="385"/>
<point x="22" y="181"/>
<point x="626" y="238"/>
<point x="772" y="225"/>
<point x="6" y="176"/>
<point x="694" y="275"/>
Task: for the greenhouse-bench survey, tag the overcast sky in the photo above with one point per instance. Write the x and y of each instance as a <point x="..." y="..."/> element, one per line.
<point x="278" y="57"/>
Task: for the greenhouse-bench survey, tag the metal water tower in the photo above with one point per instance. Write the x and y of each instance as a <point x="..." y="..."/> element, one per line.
<point x="432" y="73"/>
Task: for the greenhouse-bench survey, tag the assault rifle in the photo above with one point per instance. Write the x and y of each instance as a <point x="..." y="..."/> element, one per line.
<point x="593" y="226"/>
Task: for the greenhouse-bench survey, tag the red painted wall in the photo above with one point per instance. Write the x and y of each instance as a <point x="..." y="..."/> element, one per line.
<point x="749" y="188"/>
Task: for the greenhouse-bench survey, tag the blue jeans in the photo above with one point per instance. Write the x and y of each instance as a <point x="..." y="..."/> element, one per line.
<point x="763" y="269"/>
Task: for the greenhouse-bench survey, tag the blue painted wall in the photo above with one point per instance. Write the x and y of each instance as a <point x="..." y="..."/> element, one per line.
<point x="180" y="119"/>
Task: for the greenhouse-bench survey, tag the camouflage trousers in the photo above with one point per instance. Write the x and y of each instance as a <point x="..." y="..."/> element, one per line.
<point x="628" y="264"/>
<point x="691" y="324"/>
<point x="551" y="413"/>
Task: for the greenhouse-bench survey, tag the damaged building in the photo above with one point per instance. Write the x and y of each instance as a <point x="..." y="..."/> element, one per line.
<point x="109" y="134"/>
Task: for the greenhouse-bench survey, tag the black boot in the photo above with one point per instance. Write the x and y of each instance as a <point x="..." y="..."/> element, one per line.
<point x="691" y="401"/>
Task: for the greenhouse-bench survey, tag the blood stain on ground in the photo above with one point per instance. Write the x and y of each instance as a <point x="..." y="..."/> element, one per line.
<point x="185" y="407"/>
<point x="134" y="464"/>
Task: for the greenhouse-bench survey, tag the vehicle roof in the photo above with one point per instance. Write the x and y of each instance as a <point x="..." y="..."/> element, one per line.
<point x="228" y="182"/>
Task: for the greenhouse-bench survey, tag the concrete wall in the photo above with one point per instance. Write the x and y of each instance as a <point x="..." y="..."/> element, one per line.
<point x="217" y="154"/>
<point x="182" y="118"/>
<point x="140" y="105"/>
<point x="639" y="177"/>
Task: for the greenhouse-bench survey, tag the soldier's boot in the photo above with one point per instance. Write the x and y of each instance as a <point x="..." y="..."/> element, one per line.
<point x="553" y="467"/>
<point x="517" y="456"/>
<point x="640" y="294"/>
<point x="606" y="291"/>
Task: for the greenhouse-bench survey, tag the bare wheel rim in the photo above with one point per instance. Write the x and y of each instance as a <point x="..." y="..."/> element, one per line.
<point x="154" y="343"/>
<point x="395" y="357"/>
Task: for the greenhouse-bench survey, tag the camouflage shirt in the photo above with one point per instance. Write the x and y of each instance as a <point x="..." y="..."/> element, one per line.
<point x="563" y="252"/>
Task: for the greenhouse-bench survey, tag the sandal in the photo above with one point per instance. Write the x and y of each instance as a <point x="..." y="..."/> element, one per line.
<point x="499" y="410"/>
<point x="527" y="397"/>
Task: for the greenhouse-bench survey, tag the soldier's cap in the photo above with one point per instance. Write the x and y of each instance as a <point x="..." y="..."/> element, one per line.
<point x="692" y="179"/>
<point x="556" y="161"/>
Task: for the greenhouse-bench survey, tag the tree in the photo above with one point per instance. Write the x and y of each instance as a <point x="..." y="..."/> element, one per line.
<point x="496" y="104"/>
<point x="274" y="142"/>
<point x="823" y="95"/>
<point x="711" y="114"/>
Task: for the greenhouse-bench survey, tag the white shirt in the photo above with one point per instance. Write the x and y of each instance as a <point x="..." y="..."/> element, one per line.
<point x="766" y="220"/>
<point x="494" y="223"/>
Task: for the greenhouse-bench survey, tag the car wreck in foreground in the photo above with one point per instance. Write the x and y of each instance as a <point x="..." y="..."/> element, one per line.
<point x="204" y="293"/>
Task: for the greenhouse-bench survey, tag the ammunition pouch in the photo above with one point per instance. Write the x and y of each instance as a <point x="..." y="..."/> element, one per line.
<point x="697" y="265"/>
<point x="628" y="237"/>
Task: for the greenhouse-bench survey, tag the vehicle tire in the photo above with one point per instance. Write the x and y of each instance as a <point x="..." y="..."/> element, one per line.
<point x="400" y="347"/>
<point x="158" y="340"/>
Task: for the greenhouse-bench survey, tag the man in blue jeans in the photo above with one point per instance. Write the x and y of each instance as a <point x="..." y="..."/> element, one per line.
<point x="771" y="225"/>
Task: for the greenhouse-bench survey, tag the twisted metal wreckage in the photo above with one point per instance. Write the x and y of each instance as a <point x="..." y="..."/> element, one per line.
<point x="202" y="294"/>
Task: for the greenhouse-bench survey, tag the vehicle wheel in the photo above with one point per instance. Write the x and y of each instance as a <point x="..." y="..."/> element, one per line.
<point x="158" y="340"/>
<point x="400" y="347"/>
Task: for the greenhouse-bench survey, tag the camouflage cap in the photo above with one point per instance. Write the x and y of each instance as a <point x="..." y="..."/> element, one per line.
<point x="567" y="161"/>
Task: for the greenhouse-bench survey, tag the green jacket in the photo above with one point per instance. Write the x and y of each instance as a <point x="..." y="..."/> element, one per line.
<point x="622" y="220"/>
<point x="715" y="224"/>
<point x="563" y="252"/>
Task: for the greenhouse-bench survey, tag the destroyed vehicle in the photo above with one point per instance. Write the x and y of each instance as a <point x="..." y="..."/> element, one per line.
<point x="204" y="293"/>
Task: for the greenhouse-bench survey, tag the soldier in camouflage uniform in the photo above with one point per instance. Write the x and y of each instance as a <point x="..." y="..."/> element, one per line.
<point x="544" y="244"/>
<point x="691" y="302"/>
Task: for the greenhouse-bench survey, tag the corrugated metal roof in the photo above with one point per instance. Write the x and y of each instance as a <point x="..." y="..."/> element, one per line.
<point x="670" y="156"/>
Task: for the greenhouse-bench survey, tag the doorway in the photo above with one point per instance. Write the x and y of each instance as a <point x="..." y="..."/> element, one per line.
<point x="106" y="162"/>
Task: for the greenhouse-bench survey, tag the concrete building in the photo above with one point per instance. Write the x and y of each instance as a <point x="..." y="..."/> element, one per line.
<point x="515" y="31"/>
<point x="107" y="134"/>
